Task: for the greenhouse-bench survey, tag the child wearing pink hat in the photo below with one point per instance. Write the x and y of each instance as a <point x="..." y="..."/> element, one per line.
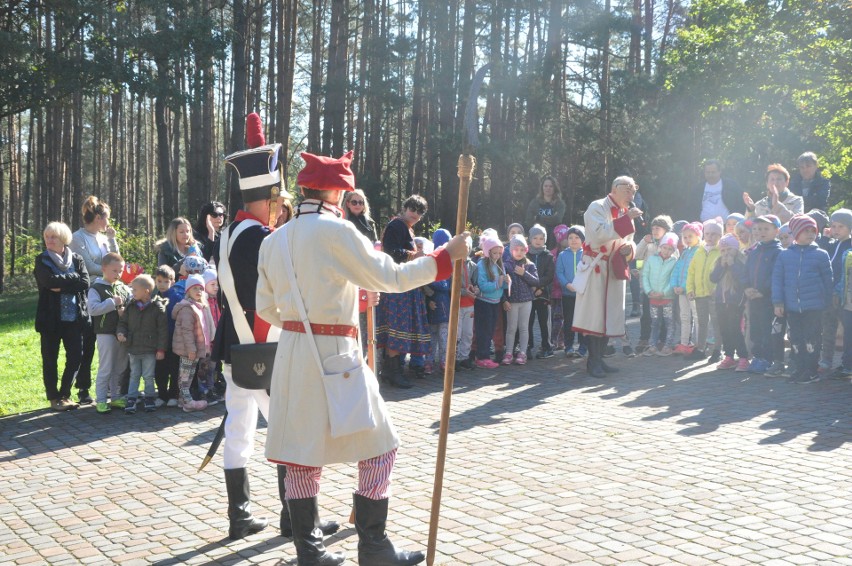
<point x="492" y="280"/>
<point x="656" y="281"/>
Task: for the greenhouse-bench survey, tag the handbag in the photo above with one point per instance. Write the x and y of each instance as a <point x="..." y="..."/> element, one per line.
<point x="344" y="376"/>
<point x="581" y="274"/>
<point x="251" y="363"/>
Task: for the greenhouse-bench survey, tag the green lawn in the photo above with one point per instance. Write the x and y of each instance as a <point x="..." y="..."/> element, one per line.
<point x="21" y="387"/>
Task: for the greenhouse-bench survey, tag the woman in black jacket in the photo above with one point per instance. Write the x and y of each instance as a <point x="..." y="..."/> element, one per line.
<point x="357" y="211"/>
<point x="211" y="218"/>
<point x="61" y="315"/>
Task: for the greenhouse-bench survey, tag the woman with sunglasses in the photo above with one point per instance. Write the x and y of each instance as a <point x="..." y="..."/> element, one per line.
<point x="357" y="211"/>
<point x="211" y="218"/>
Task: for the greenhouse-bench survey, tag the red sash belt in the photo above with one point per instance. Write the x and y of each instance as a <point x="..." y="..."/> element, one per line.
<point x="345" y="330"/>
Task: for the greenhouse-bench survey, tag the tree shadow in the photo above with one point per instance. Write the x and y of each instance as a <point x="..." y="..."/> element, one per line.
<point x="44" y="431"/>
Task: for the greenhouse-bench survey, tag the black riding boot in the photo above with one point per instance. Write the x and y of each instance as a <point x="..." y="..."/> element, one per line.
<point x="239" y="505"/>
<point x="374" y="546"/>
<point x="604" y="366"/>
<point x="593" y="367"/>
<point x="392" y="373"/>
<point x="307" y="536"/>
<point x="327" y="527"/>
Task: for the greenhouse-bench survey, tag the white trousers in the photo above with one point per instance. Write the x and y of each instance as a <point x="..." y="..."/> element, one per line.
<point x="241" y="422"/>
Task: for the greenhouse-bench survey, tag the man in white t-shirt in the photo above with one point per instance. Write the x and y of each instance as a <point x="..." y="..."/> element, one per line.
<point x="719" y="197"/>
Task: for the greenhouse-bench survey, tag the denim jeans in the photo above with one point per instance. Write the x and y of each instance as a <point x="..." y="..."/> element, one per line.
<point x="142" y="366"/>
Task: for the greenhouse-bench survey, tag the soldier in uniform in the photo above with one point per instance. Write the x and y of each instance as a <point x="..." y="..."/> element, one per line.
<point x="260" y="178"/>
<point x="332" y="260"/>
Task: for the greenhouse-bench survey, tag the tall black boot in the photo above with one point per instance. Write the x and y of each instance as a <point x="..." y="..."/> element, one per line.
<point x="374" y="546"/>
<point x="307" y="536"/>
<point x="327" y="527"/>
<point x="392" y="373"/>
<point x="593" y="367"/>
<point x="605" y="366"/>
<point x="239" y="505"/>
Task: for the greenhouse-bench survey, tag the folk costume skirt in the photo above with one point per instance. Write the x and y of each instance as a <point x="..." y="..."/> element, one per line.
<point x="402" y="324"/>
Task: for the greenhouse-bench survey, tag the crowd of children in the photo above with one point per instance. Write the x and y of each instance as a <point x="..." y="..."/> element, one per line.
<point x="161" y="330"/>
<point x="731" y="292"/>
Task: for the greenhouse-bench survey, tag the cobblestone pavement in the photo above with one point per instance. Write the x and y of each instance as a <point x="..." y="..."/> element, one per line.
<point x="658" y="464"/>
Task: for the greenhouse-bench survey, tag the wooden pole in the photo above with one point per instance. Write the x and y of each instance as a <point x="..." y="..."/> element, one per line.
<point x="466" y="165"/>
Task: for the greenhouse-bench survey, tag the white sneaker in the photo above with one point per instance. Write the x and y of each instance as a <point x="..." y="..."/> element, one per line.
<point x="172" y="403"/>
<point x="159" y="402"/>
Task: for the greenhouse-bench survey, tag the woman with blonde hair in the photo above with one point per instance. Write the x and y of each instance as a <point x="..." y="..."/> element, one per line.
<point x="61" y="313"/>
<point x="177" y="244"/>
<point x="94" y="240"/>
<point x="357" y="211"/>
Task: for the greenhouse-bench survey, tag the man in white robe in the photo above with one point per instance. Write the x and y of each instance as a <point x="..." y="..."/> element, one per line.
<point x="331" y="260"/>
<point x="599" y="311"/>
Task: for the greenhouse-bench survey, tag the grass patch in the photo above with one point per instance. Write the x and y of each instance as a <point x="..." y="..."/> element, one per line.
<point x="21" y="384"/>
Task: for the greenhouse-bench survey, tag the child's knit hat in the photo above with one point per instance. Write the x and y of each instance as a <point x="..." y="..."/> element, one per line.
<point x="843" y="216"/>
<point x="488" y="240"/>
<point x="560" y="233"/>
<point x="538" y="230"/>
<point x="696" y="227"/>
<point x="820" y="217"/>
<point x="735" y="215"/>
<point x="663" y="221"/>
<point x="677" y="227"/>
<point x="579" y="230"/>
<point x="441" y="237"/>
<point x="712" y="225"/>
<point x="518" y="241"/>
<point x="426" y="244"/>
<point x="729" y="241"/>
<point x="670" y="239"/>
<point x="193" y="280"/>
<point x="515" y="225"/>
<point x="799" y="222"/>
<point x="209" y="275"/>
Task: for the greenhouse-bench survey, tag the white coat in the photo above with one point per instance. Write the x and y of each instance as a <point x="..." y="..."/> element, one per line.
<point x="600" y="310"/>
<point x="331" y="260"/>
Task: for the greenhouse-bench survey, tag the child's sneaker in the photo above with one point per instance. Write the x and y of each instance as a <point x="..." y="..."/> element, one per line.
<point x="428" y="369"/>
<point x="487" y="364"/>
<point x="193" y="405"/>
<point x="775" y="370"/>
<point x="212" y="398"/>
<point x="666" y="351"/>
<point x="627" y="350"/>
<point x="715" y="356"/>
<point x="103" y="408"/>
<point x="159" y="402"/>
<point x="521" y="359"/>
<point x="582" y="351"/>
<point x="682" y="350"/>
<point x="150" y="406"/>
<point x="727" y="363"/>
<point x="172" y="403"/>
<point x="507" y="359"/>
<point x="696" y="354"/>
<point x="641" y="346"/>
<point x="544" y="354"/>
<point x="842" y="371"/>
<point x="130" y="407"/>
<point x="758" y="365"/>
<point x="742" y="364"/>
<point x="118" y="403"/>
<point x="570" y="353"/>
<point x="650" y="351"/>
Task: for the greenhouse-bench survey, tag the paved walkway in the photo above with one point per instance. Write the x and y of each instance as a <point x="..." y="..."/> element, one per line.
<point x="655" y="465"/>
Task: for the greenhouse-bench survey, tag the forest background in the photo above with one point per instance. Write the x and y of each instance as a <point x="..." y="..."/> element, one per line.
<point x="138" y="101"/>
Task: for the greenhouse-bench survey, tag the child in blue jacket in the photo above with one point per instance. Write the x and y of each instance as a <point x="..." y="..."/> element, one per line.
<point x="656" y="281"/>
<point x="566" y="266"/>
<point x="802" y="288"/>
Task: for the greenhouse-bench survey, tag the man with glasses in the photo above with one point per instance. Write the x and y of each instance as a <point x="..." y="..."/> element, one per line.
<point x="599" y="311"/>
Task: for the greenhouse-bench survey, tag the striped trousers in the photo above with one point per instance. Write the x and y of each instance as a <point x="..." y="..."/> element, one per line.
<point x="374" y="474"/>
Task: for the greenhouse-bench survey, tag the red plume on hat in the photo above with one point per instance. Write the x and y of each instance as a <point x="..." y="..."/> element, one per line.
<point x="254" y="131"/>
<point x="326" y="174"/>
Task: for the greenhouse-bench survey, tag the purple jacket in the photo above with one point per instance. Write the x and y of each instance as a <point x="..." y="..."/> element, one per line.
<point x="521" y="289"/>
